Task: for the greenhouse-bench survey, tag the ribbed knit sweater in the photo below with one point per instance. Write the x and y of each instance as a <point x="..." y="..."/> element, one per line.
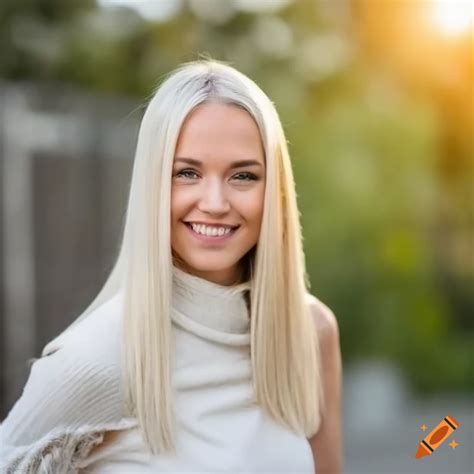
<point x="74" y="396"/>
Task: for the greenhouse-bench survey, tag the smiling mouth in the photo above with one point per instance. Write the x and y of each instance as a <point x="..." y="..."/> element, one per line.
<point x="232" y="231"/>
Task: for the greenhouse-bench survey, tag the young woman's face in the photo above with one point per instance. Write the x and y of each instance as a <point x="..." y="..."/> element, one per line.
<point x="217" y="190"/>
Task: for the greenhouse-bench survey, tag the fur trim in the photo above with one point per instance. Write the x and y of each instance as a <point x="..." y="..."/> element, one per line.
<point x="61" y="451"/>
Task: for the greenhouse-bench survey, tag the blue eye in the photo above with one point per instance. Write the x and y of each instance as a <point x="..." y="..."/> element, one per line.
<point x="181" y="173"/>
<point x="250" y="176"/>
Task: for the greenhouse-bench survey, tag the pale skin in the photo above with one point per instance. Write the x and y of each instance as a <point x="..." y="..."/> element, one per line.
<point x="326" y="444"/>
<point x="218" y="178"/>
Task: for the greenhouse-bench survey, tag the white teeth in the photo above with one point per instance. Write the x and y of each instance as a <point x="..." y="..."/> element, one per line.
<point x="210" y="231"/>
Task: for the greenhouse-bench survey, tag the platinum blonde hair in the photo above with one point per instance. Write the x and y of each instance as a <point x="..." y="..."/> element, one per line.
<point x="284" y="345"/>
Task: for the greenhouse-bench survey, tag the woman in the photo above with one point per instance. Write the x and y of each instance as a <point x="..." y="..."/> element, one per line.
<point x="204" y="350"/>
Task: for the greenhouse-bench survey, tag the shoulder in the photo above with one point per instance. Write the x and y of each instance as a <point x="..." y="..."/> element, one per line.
<point x="327" y="330"/>
<point x="99" y="329"/>
<point x="76" y="384"/>
<point x="324" y="319"/>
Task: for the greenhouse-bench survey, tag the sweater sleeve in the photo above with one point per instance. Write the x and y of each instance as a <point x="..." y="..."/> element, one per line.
<point x="62" y="390"/>
<point x="73" y="391"/>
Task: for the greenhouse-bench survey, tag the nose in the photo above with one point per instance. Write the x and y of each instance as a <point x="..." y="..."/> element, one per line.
<point x="213" y="198"/>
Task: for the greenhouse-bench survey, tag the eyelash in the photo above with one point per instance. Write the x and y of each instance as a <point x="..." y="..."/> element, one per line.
<point x="251" y="176"/>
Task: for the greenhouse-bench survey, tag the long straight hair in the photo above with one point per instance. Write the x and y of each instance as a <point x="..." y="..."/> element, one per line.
<point x="285" y="351"/>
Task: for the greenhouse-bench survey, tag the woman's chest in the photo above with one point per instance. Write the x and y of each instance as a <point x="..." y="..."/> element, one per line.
<point x="220" y="428"/>
<point x="248" y="443"/>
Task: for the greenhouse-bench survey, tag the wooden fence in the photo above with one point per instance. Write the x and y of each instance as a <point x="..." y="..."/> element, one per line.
<point x="66" y="158"/>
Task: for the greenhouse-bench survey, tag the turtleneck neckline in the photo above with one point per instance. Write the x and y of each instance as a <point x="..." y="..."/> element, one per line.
<point x="211" y="310"/>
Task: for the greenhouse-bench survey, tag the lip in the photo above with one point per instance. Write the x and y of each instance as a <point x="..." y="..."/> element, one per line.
<point x="211" y="240"/>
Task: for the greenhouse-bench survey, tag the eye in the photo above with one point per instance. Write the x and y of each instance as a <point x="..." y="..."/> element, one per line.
<point x="183" y="172"/>
<point x="250" y="176"/>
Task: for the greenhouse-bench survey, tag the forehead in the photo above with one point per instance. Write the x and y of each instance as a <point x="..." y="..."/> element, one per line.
<point x="222" y="131"/>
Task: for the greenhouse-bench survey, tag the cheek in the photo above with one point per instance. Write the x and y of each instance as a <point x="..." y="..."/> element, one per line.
<point x="251" y="206"/>
<point x="177" y="205"/>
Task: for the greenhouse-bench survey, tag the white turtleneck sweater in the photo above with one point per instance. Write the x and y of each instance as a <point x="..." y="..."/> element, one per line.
<point x="74" y="396"/>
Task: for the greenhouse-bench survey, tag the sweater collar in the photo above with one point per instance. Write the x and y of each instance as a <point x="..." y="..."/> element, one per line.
<point x="206" y="306"/>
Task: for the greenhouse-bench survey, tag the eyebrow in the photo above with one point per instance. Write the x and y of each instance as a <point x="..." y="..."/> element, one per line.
<point x="235" y="164"/>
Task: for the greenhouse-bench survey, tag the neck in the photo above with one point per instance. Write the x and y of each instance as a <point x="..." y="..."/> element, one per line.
<point x="220" y="308"/>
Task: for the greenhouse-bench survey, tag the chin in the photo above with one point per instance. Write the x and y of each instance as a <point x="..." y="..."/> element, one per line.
<point x="210" y="264"/>
<point x="203" y="262"/>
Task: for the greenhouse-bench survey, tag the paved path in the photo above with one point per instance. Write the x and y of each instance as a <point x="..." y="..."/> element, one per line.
<point x="382" y="437"/>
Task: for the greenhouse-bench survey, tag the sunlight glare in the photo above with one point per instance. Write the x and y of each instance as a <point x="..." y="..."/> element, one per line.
<point x="453" y="17"/>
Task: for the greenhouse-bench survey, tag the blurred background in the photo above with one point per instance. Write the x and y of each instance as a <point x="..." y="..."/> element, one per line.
<point x="377" y="100"/>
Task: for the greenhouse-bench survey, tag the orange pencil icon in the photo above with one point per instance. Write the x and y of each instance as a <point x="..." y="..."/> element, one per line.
<point x="437" y="436"/>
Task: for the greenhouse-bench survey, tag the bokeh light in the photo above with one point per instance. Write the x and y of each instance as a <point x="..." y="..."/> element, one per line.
<point x="453" y="18"/>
